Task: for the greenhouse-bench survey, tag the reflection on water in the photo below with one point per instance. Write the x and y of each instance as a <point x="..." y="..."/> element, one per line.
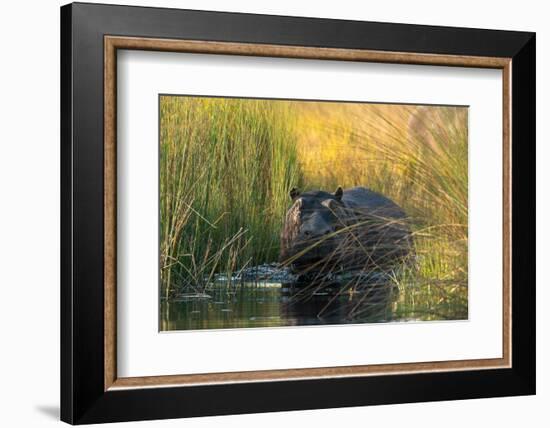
<point x="273" y="305"/>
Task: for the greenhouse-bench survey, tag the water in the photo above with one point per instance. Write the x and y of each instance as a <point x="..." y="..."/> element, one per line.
<point x="274" y="304"/>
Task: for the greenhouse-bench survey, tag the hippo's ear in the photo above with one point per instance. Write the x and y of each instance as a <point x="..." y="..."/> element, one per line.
<point x="294" y="193"/>
<point x="338" y="194"/>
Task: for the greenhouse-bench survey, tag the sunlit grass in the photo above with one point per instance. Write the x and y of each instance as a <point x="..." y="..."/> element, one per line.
<point x="418" y="157"/>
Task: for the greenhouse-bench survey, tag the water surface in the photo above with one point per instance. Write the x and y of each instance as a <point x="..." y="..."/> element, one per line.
<point x="272" y="305"/>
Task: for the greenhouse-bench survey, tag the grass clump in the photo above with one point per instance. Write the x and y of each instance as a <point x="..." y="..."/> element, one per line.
<point x="226" y="167"/>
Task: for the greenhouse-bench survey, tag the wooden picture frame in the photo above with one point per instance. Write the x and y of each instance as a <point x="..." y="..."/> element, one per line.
<point x="91" y="390"/>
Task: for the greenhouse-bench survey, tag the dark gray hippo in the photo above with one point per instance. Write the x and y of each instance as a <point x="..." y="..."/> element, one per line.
<point x="346" y="231"/>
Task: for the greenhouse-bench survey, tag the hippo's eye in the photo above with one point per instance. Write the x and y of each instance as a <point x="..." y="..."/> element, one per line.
<point x="331" y="204"/>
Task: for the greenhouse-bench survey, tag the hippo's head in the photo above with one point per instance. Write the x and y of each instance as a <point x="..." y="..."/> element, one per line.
<point x="308" y="232"/>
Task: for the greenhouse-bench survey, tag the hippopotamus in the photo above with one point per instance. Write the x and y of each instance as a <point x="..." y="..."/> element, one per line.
<point x="349" y="230"/>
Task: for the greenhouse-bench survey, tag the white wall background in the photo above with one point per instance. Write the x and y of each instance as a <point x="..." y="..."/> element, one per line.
<point x="29" y="218"/>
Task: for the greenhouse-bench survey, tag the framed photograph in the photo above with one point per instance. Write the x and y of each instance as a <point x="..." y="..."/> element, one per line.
<point x="266" y="213"/>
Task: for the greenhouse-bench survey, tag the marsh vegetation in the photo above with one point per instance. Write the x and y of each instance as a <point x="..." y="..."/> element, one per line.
<point x="227" y="167"/>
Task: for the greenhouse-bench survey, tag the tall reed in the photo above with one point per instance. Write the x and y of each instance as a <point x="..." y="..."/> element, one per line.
<point x="226" y="167"/>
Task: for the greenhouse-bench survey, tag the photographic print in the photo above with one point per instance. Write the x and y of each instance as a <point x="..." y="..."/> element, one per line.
<point x="341" y="191"/>
<point x="279" y="213"/>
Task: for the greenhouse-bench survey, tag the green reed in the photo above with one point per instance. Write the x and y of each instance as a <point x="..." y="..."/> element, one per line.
<point x="226" y="167"/>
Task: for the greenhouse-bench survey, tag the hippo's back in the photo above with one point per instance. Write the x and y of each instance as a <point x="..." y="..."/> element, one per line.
<point x="361" y="198"/>
<point x="381" y="227"/>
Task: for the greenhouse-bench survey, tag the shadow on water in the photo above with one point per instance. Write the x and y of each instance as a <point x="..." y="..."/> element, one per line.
<point x="274" y="304"/>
